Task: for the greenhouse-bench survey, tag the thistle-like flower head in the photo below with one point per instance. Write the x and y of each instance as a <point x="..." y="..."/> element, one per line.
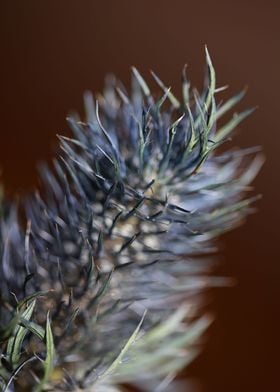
<point x="105" y="286"/>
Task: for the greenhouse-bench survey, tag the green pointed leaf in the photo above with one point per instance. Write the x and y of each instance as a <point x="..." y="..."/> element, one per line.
<point x="175" y="102"/>
<point x="223" y="132"/>
<point x="164" y="329"/>
<point x="166" y="157"/>
<point x="50" y="356"/>
<point x="33" y="296"/>
<point x="117" y="362"/>
<point x="229" y="104"/>
<point x="141" y="82"/>
<point x="15" y="342"/>
<point x="185" y="86"/>
<point x="33" y="327"/>
<point x="7" y="331"/>
<point x="212" y="80"/>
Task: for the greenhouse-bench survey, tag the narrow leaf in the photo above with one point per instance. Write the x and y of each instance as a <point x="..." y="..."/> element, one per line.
<point x="223" y="132"/>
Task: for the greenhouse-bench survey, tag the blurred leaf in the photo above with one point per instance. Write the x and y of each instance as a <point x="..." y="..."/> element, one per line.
<point x="223" y="132"/>
<point x="50" y="356"/>
<point x="15" y="343"/>
<point x="33" y="327"/>
<point x="118" y="361"/>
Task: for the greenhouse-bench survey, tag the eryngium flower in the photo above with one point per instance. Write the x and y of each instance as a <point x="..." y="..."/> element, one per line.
<point x="106" y="284"/>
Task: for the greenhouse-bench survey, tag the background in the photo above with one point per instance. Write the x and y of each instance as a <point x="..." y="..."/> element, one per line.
<point x="51" y="51"/>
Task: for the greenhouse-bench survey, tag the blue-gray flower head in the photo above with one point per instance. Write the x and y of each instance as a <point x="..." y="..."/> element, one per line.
<point x="106" y="284"/>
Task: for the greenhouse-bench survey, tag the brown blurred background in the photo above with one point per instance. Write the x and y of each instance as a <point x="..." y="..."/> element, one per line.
<point x="51" y="51"/>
